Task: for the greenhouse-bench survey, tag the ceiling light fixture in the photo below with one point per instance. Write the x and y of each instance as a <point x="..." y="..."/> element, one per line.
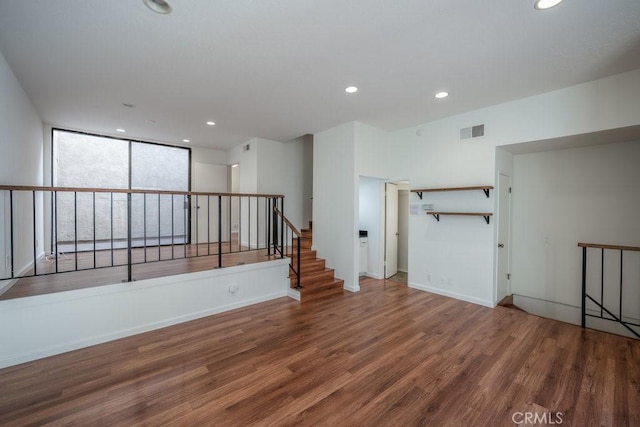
<point x="545" y="4"/>
<point x="351" y="89"/>
<point x="210" y="123"/>
<point x="234" y="165"/>
<point x="441" y="95"/>
<point x="158" y="6"/>
<point x="186" y="140"/>
<point x="120" y="130"/>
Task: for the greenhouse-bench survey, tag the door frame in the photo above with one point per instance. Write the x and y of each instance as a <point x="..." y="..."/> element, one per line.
<point x="499" y="220"/>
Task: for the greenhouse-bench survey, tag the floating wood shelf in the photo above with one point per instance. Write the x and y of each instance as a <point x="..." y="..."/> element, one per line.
<point x="484" y="188"/>
<point x="486" y="215"/>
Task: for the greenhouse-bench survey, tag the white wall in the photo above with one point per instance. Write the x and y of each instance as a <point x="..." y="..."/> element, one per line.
<point x="281" y="171"/>
<point x="463" y="248"/>
<point x="335" y="201"/>
<point x="371" y="218"/>
<point x="20" y="164"/>
<point x="40" y="326"/>
<point x="560" y="198"/>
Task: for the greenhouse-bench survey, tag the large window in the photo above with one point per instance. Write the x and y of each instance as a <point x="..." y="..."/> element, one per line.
<point x="90" y="161"/>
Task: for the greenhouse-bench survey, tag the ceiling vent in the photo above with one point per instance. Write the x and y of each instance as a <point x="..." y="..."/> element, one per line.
<point x="472" y="132"/>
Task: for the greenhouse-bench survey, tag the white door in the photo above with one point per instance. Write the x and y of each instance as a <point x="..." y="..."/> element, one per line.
<point x="504" y="238"/>
<point x="211" y="179"/>
<point x="391" y="230"/>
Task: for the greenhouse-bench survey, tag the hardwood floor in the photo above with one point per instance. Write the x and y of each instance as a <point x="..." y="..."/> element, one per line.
<point x="388" y="355"/>
<point x="186" y="261"/>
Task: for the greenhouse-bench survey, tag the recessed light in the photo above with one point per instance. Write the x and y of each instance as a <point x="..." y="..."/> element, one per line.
<point x="158" y="6"/>
<point x="234" y="165"/>
<point x="210" y="123"/>
<point x="441" y="95"/>
<point x="120" y="130"/>
<point x="545" y="4"/>
<point x="351" y="89"/>
<point x="186" y="140"/>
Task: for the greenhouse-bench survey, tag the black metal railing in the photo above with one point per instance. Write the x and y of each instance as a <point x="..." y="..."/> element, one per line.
<point x="601" y="311"/>
<point x="289" y="243"/>
<point x="97" y="228"/>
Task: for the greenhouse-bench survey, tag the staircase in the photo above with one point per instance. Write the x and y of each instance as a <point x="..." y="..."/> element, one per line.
<point x="317" y="281"/>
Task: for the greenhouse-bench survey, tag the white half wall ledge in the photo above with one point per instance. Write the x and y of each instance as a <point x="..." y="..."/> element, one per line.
<point x="570" y="314"/>
<point x="35" y="327"/>
<point x="455" y="295"/>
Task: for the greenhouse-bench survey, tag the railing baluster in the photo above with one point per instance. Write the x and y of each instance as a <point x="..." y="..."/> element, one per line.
<point x="56" y="228"/>
<point x="159" y="229"/>
<point x="93" y="197"/>
<point x="35" y="246"/>
<point x="111" y="207"/>
<point x="219" y="231"/>
<point x="185" y="216"/>
<point x="173" y="231"/>
<point x="75" y="227"/>
<point x="197" y="214"/>
<point x="208" y="225"/>
<point x="11" y="255"/>
<point x="268" y="218"/>
<point x="144" y="224"/>
<point x="621" y="284"/>
<point x="239" y="223"/>
<point x="282" y="242"/>
<point x="602" y="281"/>
<point x="129" y="227"/>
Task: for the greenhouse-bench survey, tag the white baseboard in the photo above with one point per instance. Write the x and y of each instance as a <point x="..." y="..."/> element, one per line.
<point x="292" y="293"/>
<point x="355" y="288"/>
<point x="473" y="300"/>
<point x="373" y="276"/>
<point x="8" y="284"/>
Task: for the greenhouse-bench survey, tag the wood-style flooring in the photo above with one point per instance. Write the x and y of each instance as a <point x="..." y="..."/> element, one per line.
<point x="188" y="258"/>
<point x="386" y="356"/>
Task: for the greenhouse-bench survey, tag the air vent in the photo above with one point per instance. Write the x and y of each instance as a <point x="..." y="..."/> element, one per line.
<point x="472" y="132"/>
<point x="246" y="147"/>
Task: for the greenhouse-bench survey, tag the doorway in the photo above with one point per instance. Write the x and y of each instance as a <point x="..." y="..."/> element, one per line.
<point x="391" y="230"/>
<point x="503" y="287"/>
<point x="209" y="178"/>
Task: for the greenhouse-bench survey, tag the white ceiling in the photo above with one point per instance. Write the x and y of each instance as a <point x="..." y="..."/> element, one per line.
<point x="278" y="69"/>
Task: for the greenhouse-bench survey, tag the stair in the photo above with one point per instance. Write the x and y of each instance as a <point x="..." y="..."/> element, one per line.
<point x="317" y="281"/>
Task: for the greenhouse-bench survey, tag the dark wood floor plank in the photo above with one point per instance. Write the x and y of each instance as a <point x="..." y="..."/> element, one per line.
<point x="388" y="355"/>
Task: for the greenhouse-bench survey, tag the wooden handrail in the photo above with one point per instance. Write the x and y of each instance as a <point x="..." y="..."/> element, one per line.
<point x="127" y="191"/>
<point x="614" y="247"/>
<point x="286" y="220"/>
